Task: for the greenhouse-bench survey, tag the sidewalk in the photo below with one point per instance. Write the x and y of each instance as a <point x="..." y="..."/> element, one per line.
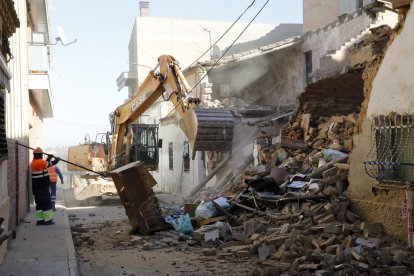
<point x="42" y="250"/>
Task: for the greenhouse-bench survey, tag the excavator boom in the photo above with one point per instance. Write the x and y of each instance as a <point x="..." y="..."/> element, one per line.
<point x="205" y="129"/>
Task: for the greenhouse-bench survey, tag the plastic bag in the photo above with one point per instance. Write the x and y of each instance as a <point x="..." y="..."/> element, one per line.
<point x="182" y="224"/>
<point x="205" y="210"/>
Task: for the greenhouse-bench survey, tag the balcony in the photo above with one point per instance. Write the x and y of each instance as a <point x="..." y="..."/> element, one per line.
<point x="38" y="78"/>
<point x="126" y="79"/>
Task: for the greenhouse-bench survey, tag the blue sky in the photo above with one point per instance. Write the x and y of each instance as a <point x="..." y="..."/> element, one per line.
<point x="84" y="73"/>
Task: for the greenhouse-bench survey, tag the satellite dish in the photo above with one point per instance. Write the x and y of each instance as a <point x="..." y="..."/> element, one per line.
<point x="62" y="38"/>
<point x="216" y="52"/>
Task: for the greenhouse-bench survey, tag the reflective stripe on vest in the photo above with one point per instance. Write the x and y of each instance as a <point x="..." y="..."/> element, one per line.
<point x="53" y="174"/>
<point x="39" y="168"/>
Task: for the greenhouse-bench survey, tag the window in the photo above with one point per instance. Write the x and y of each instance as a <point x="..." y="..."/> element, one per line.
<point x="359" y="3"/>
<point x="308" y="66"/>
<point x="391" y="158"/>
<point x="144" y="144"/>
<point x="3" y="140"/>
<point x="171" y="156"/>
<point x="186" y="156"/>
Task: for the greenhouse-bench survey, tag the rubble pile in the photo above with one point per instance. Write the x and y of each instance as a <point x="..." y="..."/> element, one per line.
<point x="320" y="236"/>
<point x="305" y="137"/>
<point x="292" y="214"/>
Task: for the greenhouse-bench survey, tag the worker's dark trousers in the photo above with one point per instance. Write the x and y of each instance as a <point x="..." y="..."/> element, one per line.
<point x="43" y="204"/>
<point x="53" y="194"/>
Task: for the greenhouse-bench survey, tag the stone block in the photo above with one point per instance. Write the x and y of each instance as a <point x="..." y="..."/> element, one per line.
<point x="242" y="253"/>
<point x="209" y="251"/>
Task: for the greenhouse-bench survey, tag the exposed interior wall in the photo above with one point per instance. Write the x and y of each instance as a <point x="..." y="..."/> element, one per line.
<point x="271" y="79"/>
<point x="340" y="95"/>
<point x="388" y="87"/>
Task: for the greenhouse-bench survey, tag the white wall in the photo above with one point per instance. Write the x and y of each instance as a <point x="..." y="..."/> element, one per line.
<point x="393" y="87"/>
<point x="17" y="102"/>
<point x="186" y="40"/>
<point x="176" y="181"/>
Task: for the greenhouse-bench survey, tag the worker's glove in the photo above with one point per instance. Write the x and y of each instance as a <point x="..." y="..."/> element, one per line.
<point x="49" y="157"/>
<point x="57" y="159"/>
<point x="61" y="182"/>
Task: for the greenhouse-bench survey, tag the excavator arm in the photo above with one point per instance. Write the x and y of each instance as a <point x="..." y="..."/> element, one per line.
<point x="206" y="129"/>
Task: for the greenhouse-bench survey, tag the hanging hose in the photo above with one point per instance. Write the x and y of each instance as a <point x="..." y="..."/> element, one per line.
<point x="82" y="167"/>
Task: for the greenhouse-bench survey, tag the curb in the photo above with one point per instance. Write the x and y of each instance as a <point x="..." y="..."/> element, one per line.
<point x="73" y="264"/>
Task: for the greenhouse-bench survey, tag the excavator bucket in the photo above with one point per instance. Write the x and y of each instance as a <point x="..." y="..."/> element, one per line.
<point x="134" y="185"/>
<point x="208" y="129"/>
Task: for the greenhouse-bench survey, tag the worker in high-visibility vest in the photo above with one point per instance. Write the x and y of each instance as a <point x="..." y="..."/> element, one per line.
<point x="41" y="186"/>
<point x="54" y="172"/>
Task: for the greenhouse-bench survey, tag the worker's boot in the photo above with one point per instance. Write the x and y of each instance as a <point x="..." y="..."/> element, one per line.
<point x="50" y="222"/>
<point x="40" y="222"/>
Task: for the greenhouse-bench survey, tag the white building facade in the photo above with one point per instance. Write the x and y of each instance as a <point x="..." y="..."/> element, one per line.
<point x="27" y="101"/>
<point x="187" y="41"/>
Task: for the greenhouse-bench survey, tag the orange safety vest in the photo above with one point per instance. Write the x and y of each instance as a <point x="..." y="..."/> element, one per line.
<point x="40" y="175"/>
<point x="53" y="174"/>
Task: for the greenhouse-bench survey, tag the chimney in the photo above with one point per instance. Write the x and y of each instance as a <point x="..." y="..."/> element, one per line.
<point x="144" y="8"/>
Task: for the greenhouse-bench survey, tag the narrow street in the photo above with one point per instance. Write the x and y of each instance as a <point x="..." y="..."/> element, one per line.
<point x="247" y="138"/>
<point x="104" y="247"/>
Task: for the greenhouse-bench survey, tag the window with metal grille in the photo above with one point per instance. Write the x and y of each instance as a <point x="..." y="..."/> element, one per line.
<point x="171" y="156"/>
<point x="391" y="158"/>
<point x="3" y="140"/>
<point x="186" y="156"/>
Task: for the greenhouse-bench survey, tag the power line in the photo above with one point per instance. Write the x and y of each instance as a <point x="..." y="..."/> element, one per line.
<point x="218" y="60"/>
<point x="215" y="43"/>
<point x="76" y="124"/>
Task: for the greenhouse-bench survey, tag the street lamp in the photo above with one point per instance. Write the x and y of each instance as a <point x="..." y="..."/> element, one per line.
<point x="209" y="35"/>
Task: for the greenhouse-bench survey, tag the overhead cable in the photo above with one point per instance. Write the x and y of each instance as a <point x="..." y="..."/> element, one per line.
<point x="218" y="60"/>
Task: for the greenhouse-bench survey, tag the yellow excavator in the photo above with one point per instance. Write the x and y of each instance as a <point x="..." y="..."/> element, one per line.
<point x="206" y="129"/>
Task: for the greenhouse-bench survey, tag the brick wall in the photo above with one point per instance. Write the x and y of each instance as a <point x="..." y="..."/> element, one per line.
<point x="339" y="95"/>
<point x="17" y="180"/>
